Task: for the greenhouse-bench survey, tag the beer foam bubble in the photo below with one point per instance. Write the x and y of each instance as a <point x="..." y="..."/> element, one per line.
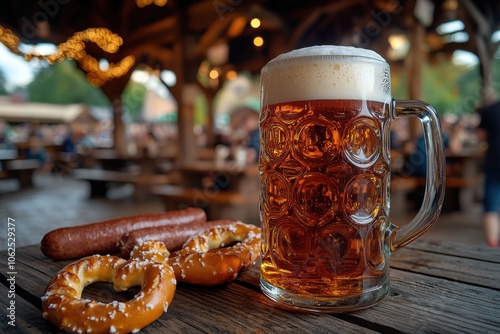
<point x="326" y="72"/>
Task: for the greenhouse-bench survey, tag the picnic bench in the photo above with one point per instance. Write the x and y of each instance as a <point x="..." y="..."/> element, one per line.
<point x="22" y="170"/>
<point x="436" y="287"/>
<point x="101" y="181"/>
<point x="457" y="194"/>
<point x="217" y="204"/>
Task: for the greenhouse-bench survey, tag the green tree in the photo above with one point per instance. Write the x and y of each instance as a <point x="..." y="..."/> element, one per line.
<point x="3" y="84"/>
<point x="441" y="86"/>
<point x="64" y="83"/>
<point x="133" y="98"/>
<point x="448" y="87"/>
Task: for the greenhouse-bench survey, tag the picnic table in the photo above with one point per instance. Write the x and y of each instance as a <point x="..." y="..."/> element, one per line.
<point x="12" y="166"/>
<point x="224" y="189"/>
<point x="436" y="287"/>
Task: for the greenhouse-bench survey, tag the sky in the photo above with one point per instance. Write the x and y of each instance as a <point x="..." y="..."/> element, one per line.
<point x="16" y="69"/>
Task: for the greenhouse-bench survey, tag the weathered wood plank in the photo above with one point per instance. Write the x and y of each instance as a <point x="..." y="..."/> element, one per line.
<point x="28" y="319"/>
<point x="470" y="251"/>
<point x="431" y="293"/>
<point x="33" y="272"/>
<point x="429" y="304"/>
<point x="237" y="309"/>
<point x="482" y="273"/>
<point x="423" y="304"/>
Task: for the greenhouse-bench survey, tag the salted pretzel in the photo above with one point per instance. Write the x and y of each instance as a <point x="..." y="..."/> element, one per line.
<point x="147" y="267"/>
<point x="204" y="259"/>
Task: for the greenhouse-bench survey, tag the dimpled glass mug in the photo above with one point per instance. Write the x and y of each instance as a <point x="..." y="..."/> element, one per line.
<point x="324" y="195"/>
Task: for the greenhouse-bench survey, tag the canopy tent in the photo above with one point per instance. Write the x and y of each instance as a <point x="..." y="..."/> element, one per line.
<point x="40" y="112"/>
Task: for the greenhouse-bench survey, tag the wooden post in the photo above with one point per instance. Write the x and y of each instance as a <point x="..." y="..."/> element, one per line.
<point x="210" y="130"/>
<point x="113" y="90"/>
<point x="119" y="133"/>
<point x="414" y="67"/>
<point x="185" y="91"/>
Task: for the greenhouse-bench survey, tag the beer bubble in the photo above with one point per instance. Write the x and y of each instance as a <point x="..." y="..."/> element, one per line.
<point x="363" y="198"/>
<point x="292" y="169"/>
<point x="338" y="249"/>
<point x="292" y="244"/>
<point x="361" y="141"/>
<point x="316" y="198"/>
<point x="278" y="138"/>
<point x="275" y="193"/>
<point x="315" y="141"/>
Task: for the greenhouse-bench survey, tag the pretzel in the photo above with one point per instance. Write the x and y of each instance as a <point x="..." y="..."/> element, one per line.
<point x="202" y="261"/>
<point x="63" y="306"/>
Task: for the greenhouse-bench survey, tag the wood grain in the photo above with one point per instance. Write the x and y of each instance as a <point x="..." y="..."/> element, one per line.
<point x="436" y="287"/>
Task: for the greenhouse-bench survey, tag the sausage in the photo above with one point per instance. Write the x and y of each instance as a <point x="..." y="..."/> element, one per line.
<point x="102" y="237"/>
<point x="173" y="236"/>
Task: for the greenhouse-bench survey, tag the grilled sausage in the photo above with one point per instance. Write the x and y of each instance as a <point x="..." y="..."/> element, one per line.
<point x="173" y="236"/>
<point x="102" y="237"/>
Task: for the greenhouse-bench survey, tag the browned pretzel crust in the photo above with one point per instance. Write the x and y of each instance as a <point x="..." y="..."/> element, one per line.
<point x="203" y="259"/>
<point x="147" y="267"/>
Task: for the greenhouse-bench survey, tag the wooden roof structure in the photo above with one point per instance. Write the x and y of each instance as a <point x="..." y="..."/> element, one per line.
<point x="178" y="34"/>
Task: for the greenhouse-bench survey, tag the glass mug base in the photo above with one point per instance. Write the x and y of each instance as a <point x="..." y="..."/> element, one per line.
<point x="300" y="302"/>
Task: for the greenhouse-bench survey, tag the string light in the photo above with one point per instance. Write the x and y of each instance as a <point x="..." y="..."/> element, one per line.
<point x="144" y="3"/>
<point x="255" y="23"/>
<point x="74" y="48"/>
<point x="214" y="74"/>
<point x="258" y="41"/>
<point x="231" y="75"/>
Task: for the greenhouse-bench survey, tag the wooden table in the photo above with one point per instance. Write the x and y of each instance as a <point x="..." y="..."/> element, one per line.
<point x="465" y="167"/>
<point x="225" y="189"/>
<point x="238" y="177"/>
<point x="5" y="157"/>
<point x="110" y="159"/>
<point x="15" y="167"/>
<point x="436" y="287"/>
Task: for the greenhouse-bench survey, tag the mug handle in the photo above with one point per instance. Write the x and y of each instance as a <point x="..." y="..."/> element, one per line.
<point x="435" y="177"/>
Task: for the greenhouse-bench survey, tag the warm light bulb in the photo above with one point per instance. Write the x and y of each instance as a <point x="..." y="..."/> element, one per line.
<point x="214" y="74"/>
<point x="258" y="41"/>
<point x="397" y="41"/>
<point x="255" y="23"/>
<point x="231" y="75"/>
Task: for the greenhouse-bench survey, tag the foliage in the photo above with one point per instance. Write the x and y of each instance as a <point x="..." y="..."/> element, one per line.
<point x="445" y="89"/>
<point x="450" y="88"/>
<point x="64" y="83"/>
<point x="3" y="84"/>
<point x="133" y="98"/>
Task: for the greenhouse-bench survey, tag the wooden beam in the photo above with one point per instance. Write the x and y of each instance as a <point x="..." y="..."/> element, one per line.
<point x="314" y="16"/>
<point x="158" y="28"/>
<point x="216" y="31"/>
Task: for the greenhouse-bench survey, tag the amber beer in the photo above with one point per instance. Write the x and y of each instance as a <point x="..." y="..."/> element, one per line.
<point x="325" y="166"/>
<point x="323" y="197"/>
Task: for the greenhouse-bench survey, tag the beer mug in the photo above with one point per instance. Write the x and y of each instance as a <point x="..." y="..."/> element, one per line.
<point x="324" y="201"/>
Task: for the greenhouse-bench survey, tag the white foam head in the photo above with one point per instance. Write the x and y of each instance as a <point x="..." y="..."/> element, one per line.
<point x="326" y="72"/>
